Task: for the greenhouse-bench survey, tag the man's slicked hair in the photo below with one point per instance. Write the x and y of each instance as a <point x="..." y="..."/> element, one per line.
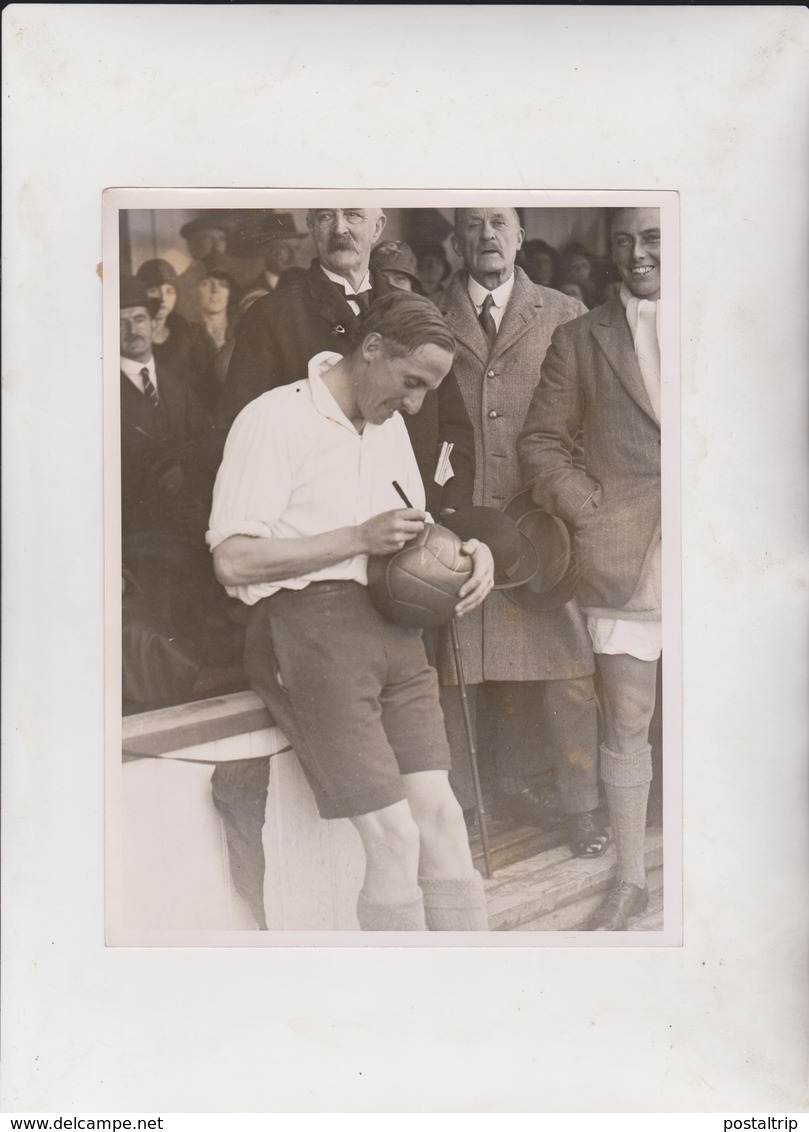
<point x="405" y="321"/>
<point x="614" y="213"/>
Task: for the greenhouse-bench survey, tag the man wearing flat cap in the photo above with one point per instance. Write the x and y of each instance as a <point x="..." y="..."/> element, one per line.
<point x="207" y="239"/>
<point x="277" y="244"/>
<point x="321" y="311"/>
<point x="532" y="666"/>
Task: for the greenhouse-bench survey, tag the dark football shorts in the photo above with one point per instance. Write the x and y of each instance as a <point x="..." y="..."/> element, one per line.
<point x="353" y="693"/>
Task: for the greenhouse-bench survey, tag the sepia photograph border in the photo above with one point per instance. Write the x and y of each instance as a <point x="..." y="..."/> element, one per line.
<point x="197" y="200"/>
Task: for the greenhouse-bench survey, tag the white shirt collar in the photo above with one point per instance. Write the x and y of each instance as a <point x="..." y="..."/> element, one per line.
<point x="500" y="294"/>
<point x="322" y="397"/>
<point x="365" y="285"/>
<point x="132" y="369"/>
<point x="632" y="305"/>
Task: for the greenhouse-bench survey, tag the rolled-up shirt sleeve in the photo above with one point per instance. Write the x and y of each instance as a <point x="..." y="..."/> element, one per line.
<point x="253" y="484"/>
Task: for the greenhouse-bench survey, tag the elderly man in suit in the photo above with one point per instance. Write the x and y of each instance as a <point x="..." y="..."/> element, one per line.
<point x="533" y="669"/>
<point x="601" y="378"/>
<point x="320" y="311"/>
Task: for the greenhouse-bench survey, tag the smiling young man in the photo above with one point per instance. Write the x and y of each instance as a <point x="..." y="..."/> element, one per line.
<point x="601" y="381"/>
<point x="636" y="250"/>
<point x="304" y="494"/>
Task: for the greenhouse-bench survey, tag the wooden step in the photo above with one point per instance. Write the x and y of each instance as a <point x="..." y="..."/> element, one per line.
<point x="570" y="916"/>
<point x="541" y="886"/>
<point x="510" y="842"/>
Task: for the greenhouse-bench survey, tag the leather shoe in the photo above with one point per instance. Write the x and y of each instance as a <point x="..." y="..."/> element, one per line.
<point x="586" y="836"/>
<point x="532" y="805"/>
<point x="623" y="903"/>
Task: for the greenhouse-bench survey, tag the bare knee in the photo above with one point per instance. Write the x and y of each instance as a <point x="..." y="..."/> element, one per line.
<point x="442" y="818"/>
<point x="390" y="836"/>
<point x="628" y="717"/>
<point x="444" y="839"/>
<point x="628" y="700"/>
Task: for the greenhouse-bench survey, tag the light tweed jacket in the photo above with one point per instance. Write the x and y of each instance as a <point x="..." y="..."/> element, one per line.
<point x="591" y="381"/>
<point x="500" y="641"/>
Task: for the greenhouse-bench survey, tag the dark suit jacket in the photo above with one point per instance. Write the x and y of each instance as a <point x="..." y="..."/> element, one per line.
<point x="285" y="279"/>
<point x="146" y="456"/>
<point x="591" y="381"/>
<point x="173" y="353"/>
<point x="282" y="331"/>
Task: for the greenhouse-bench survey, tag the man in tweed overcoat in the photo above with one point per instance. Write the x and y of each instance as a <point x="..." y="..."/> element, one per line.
<point x="531" y="670"/>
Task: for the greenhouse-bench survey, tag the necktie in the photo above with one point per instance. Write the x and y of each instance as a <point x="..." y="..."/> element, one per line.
<point x="363" y="301"/>
<point x="487" y="320"/>
<point x="150" y="393"/>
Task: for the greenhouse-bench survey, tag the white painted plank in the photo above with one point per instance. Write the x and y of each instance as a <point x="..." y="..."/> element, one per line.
<point x="175" y="870"/>
<point x="314" y="867"/>
<point x="308" y="894"/>
<point x="347" y="873"/>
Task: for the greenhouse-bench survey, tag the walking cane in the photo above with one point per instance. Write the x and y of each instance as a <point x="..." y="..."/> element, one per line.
<point x="467" y="723"/>
<point x="470" y="742"/>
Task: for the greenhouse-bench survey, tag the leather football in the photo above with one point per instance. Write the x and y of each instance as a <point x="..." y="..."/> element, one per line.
<point x="419" y="584"/>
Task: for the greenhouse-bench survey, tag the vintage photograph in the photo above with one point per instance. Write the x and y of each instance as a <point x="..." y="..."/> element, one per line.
<point x="383" y="492"/>
<point x="265" y="852"/>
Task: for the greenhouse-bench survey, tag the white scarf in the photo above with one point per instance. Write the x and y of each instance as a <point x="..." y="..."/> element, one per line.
<point x="643" y="318"/>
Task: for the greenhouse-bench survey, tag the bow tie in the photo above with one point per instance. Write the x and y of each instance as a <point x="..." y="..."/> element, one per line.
<point x="363" y="300"/>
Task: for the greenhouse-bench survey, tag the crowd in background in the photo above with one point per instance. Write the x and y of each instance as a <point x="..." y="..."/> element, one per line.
<point x="200" y="345"/>
<point x="192" y="632"/>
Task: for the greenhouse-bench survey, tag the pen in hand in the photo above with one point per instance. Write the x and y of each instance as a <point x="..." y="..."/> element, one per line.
<point x="402" y="495"/>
